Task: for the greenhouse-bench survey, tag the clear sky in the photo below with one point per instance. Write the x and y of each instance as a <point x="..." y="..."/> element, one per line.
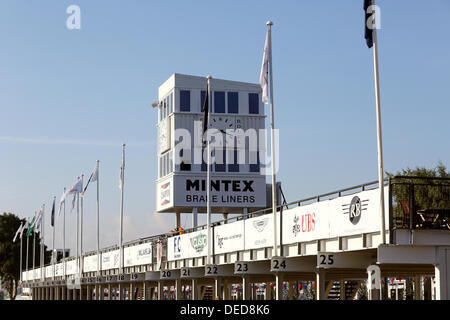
<point x="70" y="97"/>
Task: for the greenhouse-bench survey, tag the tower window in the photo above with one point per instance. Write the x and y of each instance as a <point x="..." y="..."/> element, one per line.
<point x="185" y="100"/>
<point x="253" y="103"/>
<point x="219" y="102"/>
<point x="233" y="102"/>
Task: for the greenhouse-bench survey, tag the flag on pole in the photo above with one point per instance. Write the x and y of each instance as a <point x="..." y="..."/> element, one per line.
<point x="369" y="22"/>
<point x="37" y="222"/>
<point x="52" y="221"/>
<point x="205" y="110"/>
<point x="25" y="226"/>
<point x="264" y="76"/>
<point x="73" y="202"/>
<point x="75" y="189"/>
<point x="18" y="231"/>
<point x="92" y="178"/>
<point x="30" y="229"/>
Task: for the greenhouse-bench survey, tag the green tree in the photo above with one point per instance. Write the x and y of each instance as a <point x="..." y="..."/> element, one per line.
<point x="428" y="193"/>
<point x="10" y="252"/>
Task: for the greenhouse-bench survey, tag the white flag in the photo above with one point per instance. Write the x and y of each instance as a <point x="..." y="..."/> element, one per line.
<point x="92" y="178"/>
<point x="73" y="202"/>
<point x="36" y="221"/>
<point x="264" y="76"/>
<point x="25" y="226"/>
<point x="76" y="188"/>
<point x="18" y="231"/>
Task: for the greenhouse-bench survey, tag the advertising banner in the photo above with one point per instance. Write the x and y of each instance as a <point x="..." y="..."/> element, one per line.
<point x="138" y="255"/>
<point x="229" y="237"/>
<point x="110" y="260"/>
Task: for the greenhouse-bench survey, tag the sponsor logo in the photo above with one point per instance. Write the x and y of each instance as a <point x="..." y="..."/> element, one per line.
<point x="304" y="223"/>
<point x="260" y="224"/>
<point x="220" y="241"/>
<point x="355" y="208"/>
<point x="176" y="244"/>
<point x="220" y="185"/>
<point x="198" y="242"/>
<point x="144" y="252"/>
<point x="165" y="194"/>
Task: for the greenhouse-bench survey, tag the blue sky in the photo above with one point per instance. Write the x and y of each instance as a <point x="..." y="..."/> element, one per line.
<point x="70" y="97"/>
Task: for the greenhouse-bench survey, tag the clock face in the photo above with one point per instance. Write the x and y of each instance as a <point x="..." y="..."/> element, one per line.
<point x="222" y="123"/>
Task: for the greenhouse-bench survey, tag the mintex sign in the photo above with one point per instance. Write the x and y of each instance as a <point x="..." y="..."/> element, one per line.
<point x="185" y="191"/>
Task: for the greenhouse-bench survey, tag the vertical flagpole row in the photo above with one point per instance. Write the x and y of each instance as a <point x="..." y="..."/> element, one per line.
<point x="98" y="220"/>
<point x="208" y="179"/>
<point x="272" y="146"/>
<point x="379" y="135"/>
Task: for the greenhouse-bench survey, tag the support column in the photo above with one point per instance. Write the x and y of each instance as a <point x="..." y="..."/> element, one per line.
<point x="194" y="218"/>
<point x="120" y="292"/>
<point x="194" y="289"/>
<point x="109" y="292"/>
<point x="320" y="284"/>
<point x="278" y="286"/>
<point x="178" y="289"/>
<point x="268" y="291"/>
<point x="63" y="293"/>
<point x="178" y="214"/>
<point x="342" y="290"/>
<point x="245" y="288"/>
<point x="89" y="292"/>
<point x="442" y="274"/>
<point x="417" y="288"/>
<point x="160" y="290"/>
<point x="131" y="293"/>
<point x="218" y="289"/>
<point x="144" y="293"/>
<point x="225" y="289"/>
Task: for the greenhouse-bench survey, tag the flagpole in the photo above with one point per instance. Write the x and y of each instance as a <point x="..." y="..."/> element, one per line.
<point x="208" y="178"/>
<point x="34" y="244"/>
<point x="53" y="250"/>
<point x="43" y="241"/>
<point x="272" y="151"/>
<point x="64" y="234"/>
<point x="122" y="177"/>
<point x="98" y="221"/>
<point x="81" y="227"/>
<point x="26" y="258"/>
<point x="78" y="230"/>
<point x="379" y="135"/>
<point x="21" y="257"/>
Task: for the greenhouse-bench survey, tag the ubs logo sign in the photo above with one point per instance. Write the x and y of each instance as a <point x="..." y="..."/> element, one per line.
<point x="355" y="208"/>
